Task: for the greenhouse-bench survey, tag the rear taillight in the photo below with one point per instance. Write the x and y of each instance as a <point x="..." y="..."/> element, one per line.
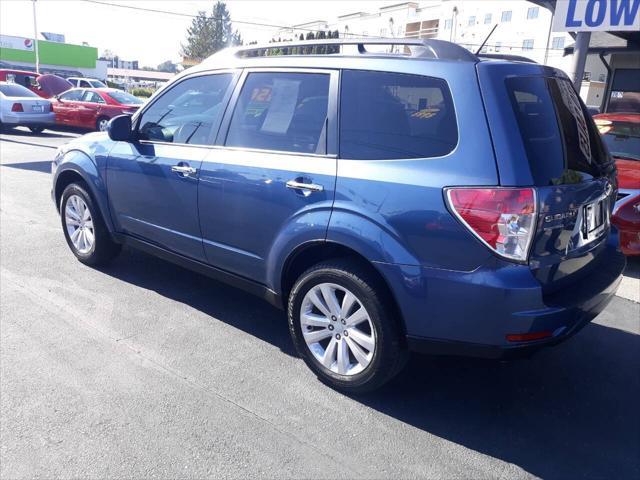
<point x="502" y="218"/>
<point x="17" y="107"/>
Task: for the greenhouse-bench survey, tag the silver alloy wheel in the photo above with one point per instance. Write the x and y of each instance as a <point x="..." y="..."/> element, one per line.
<point x="337" y="329"/>
<point x="79" y="224"/>
<point x="102" y="124"/>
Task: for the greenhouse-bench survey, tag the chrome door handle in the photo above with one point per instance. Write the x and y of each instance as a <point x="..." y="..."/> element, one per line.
<point x="183" y="169"/>
<point x="312" y="187"/>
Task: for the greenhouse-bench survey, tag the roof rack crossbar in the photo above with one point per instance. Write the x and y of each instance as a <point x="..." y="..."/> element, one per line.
<point x="422" y="48"/>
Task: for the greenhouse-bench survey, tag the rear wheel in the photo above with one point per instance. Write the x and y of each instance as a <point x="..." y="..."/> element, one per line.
<point x="101" y="124"/>
<point x="36" y="129"/>
<point x="84" y="229"/>
<point x="343" y="326"/>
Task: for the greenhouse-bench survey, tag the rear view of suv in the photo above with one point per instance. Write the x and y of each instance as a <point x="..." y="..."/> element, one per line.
<point x="427" y="200"/>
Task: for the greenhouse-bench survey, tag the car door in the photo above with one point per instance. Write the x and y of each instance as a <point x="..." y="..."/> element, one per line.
<point x="88" y="109"/>
<point x="272" y="179"/>
<point x="66" y="107"/>
<point x="152" y="181"/>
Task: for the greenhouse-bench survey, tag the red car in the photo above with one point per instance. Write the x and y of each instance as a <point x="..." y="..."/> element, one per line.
<point x="92" y="108"/>
<point x="621" y="133"/>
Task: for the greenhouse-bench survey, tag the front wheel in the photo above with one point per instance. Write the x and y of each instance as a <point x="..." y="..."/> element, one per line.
<point x="84" y="229"/>
<point x="342" y="324"/>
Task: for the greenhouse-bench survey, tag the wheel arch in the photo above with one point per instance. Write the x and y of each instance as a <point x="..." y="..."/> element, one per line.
<point x="78" y="167"/>
<point x="312" y="253"/>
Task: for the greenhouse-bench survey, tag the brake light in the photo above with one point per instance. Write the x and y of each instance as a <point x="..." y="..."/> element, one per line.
<point x="528" y="337"/>
<point x="17" y="107"/>
<point x="502" y="218"/>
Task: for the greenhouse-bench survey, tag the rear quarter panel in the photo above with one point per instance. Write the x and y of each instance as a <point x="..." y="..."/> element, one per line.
<point x="393" y="211"/>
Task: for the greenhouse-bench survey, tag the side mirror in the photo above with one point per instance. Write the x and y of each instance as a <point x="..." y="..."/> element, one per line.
<point x="119" y="128"/>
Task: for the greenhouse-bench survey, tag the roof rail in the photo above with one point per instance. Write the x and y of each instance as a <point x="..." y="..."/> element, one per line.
<point x="500" y="56"/>
<point x="419" y="48"/>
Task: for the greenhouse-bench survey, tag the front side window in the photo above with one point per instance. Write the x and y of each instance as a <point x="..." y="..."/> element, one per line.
<point x="187" y="112"/>
<point x="72" y="95"/>
<point x="281" y="111"/>
<point x="392" y="116"/>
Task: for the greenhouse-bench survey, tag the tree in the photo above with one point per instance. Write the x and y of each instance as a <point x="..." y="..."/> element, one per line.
<point x="167" y="66"/>
<point x="210" y="33"/>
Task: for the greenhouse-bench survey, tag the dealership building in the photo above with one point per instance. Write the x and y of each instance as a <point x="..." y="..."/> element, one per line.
<point x="63" y="59"/>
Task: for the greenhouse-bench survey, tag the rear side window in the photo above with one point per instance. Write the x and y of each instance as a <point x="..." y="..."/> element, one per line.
<point x="394" y="116"/>
<point x="11" y="90"/>
<point x="559" y="137"/>
<point x="187" y="112"/>
<point x="281" y="111"/>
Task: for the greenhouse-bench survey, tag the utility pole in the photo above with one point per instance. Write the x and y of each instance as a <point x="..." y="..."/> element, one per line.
<point x="35" y="38"/>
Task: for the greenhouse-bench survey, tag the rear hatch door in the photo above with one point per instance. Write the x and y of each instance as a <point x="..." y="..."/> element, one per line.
<point x="544" y="137"/>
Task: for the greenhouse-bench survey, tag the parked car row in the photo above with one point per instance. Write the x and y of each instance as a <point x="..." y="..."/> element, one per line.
<point x="84" y="108"/>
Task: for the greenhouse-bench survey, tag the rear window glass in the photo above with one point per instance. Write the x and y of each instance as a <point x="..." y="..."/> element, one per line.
<point x="9" y="90"/>
<point x="393" y="116"/>
<point x="124" y="98"/>
<point x="560" y="139"/>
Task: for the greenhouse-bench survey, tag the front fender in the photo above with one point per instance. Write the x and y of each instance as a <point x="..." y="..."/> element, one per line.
<point x="90" y="165"/>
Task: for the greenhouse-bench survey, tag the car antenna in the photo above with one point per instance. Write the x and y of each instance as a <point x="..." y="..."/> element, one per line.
<point x="486" y="38"/>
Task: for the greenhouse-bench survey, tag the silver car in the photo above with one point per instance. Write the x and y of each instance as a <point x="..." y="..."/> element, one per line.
<point x="19" y="106"/>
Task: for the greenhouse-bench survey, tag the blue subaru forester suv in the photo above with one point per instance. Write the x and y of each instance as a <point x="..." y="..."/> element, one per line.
<point x="418" y="197"/>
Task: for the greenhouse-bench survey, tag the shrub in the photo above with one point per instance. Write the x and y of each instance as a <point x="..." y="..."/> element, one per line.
<point x="142" y="92"/>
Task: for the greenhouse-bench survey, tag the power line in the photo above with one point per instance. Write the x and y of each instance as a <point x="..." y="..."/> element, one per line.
<point x="188" y="15"/>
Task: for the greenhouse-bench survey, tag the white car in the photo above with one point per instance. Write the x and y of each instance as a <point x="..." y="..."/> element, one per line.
<point x="81" y="82"/>
<point x="19" y="106"/>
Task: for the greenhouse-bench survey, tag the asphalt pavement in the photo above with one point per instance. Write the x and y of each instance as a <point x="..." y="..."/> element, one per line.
<point x="144" y="369"/>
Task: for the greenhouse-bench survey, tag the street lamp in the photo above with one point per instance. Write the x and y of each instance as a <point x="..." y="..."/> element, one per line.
<point x="35" y="38"/>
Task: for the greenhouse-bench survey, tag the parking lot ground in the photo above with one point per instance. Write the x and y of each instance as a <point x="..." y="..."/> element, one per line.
<point x="143" y="369"/>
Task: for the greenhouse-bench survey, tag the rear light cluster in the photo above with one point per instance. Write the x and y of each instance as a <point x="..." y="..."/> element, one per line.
<point x="502" y="218"/>
<point x="17" y="107"/>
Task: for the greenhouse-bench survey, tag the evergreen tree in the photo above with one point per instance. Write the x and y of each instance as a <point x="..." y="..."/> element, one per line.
<point x="208" y="34"/>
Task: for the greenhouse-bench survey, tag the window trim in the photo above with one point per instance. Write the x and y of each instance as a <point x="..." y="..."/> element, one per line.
<point x="136" y="119"/>
<point x="332" y="111"/>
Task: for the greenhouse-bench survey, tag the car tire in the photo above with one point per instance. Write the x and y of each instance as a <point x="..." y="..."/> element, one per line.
<point x="84" y="229"/>
<point x="101" y="124"/>
<point x="36" y="129"/>
<point x="382" y="350"/>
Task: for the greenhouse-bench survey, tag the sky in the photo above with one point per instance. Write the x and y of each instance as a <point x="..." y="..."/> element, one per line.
<point x="153" y="38"/>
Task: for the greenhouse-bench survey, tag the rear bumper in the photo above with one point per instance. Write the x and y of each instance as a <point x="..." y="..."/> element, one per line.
<point x="30" y="119"/>
<point x="471" y="314"/>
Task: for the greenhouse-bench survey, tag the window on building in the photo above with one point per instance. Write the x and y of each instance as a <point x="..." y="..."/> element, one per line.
<point x="497" y="46"/>
<point x="448" y="24"/>
<point x="557" y="43"/>
<point x="281" y="111"/>
<point x="527" y="44"/>
<point x="472" y="21"/>
<point x="586" y="76"/>
<point x="602" y="77"/>
<point x="487" y="18"/>
<point x="390" y="116"/>
<point x="187" y="112"/>
<point x="506" y="16"/>
<point x="532" y="13"/>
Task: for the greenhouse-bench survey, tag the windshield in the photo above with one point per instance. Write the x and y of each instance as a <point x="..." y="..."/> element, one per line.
<point x="124" y="97"/>
<point x="97" y="84"/>
<point x="13" y="90"/>
<point x="622" y="138"/>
